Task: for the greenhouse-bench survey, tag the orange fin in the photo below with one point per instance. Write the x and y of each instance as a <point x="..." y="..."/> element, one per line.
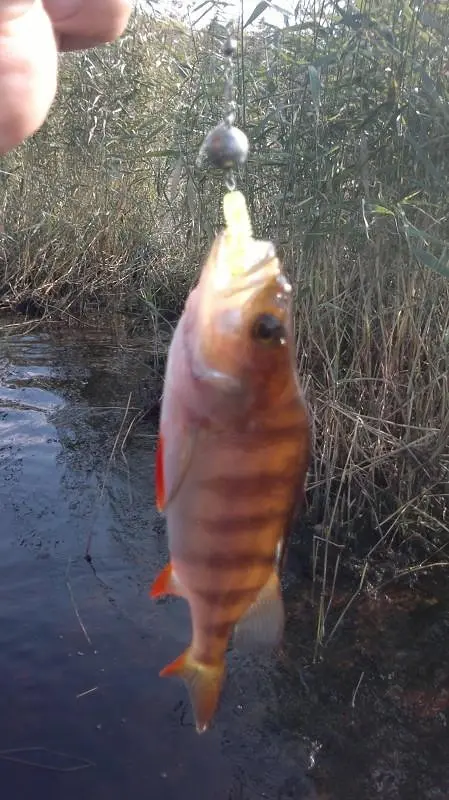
<point x="204" y="683"/>
<point x="160" y="489"/>
<point x="166" y="583"/>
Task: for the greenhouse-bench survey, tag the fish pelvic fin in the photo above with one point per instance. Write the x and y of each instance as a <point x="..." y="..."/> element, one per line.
<point x="166" y="583"/>
<point x="262" y="625"/>
<point x="204" y="683"/>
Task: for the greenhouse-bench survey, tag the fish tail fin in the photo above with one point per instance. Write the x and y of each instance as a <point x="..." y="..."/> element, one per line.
<point x="204" y="683"/>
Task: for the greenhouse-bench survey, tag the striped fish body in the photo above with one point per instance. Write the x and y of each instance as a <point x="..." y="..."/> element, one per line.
<point x="232" y="461"/>
<point x="231" y="512"/>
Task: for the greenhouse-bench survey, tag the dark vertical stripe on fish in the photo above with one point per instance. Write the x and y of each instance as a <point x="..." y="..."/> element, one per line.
<point x="226" y="597"/>
<point x="256" y="484"/>
<point x="280" y="433"/>
<point x="218" y="630"/>
<point x="231" y="560"/>
<point x="241" y="523"/>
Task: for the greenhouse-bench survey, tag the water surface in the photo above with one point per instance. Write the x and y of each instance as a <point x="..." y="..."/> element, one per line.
<point x="82" y="708"/>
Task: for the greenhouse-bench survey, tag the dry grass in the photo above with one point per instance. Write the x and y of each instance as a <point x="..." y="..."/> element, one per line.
<point x="372" y="350"/>
<point x="103" y="209"/>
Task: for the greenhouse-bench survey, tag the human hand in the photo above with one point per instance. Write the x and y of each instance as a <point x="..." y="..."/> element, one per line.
<point x="31" y="33"/>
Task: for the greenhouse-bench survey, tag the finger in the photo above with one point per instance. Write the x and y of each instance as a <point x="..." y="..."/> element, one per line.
<point x="28" y="68"/>
<point x="85" y="23"/>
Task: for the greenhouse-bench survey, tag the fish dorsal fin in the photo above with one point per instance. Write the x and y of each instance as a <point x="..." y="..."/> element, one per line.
<point x="172" y="465"/>
<point x="282" y="552"/>
<point x="262" y="625"/>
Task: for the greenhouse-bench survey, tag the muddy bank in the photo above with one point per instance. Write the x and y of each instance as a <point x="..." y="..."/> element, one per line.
<point x="81" y="647"/>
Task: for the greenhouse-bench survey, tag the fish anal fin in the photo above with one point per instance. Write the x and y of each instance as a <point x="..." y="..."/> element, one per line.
<point x="166" y="583"/>
<point x="263" y="623"/>
<point x="203" y="682"/>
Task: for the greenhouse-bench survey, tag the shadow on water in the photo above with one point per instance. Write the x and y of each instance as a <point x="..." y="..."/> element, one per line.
<point x="368" y="721"/>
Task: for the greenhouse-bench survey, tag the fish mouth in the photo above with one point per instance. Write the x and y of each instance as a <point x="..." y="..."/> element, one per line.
<point x="236" y="284"/>
<point x="258" y="268"/>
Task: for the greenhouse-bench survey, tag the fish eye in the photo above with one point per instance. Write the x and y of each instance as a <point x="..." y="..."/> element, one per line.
<point x="268" y="329"/>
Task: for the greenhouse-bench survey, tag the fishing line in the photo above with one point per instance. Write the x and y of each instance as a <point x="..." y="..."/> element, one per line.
<point x="226" y="147"/>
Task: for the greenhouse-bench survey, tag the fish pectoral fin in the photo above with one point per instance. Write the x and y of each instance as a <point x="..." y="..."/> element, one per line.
<point x="263" y="623"/>
<point x="203" y="681"/>
<point x="160" y="488"/>
<point x="166" y="583"/>
<point x="165" y="493"/>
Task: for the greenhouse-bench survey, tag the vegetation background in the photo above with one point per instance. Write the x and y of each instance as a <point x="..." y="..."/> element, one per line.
<point x="347" y="114"/>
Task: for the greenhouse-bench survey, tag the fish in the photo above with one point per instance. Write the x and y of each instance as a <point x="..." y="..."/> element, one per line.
<point x="232" y="456"/>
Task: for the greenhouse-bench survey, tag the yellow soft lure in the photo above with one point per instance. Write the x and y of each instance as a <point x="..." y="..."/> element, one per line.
<point x="238" y="232"/>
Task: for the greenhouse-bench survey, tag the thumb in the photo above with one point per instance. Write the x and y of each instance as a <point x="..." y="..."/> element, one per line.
<point x="28" y="70"/>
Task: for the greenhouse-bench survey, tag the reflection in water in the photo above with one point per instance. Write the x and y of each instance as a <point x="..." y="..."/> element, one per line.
<point x="98" y="700"/>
